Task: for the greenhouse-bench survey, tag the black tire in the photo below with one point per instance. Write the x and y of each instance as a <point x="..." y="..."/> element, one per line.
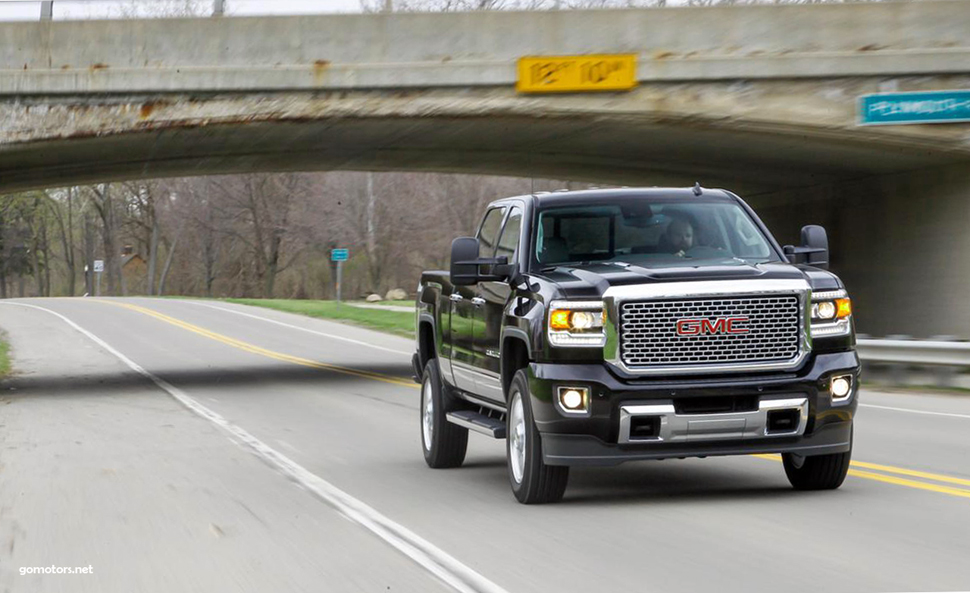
<point x="817" y="472"/>
<point x="448" y="441"/>
<point x="538" y="483"/>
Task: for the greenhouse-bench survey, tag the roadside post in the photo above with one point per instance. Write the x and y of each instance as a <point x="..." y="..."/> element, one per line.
<point x="339" y="256"/>
<point x="98" y="268"/>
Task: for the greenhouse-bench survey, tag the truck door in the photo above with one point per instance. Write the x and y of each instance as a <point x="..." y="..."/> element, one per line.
<point x="492" y="299"/>
<point x="465" y="309"/>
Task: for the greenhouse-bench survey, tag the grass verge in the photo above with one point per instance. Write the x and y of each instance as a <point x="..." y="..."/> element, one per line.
<point x="4" y="356"/>
<point x="393" y="322"/>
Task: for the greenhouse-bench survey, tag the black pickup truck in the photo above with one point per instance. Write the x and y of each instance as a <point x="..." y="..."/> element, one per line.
<point x="603" y="326"/>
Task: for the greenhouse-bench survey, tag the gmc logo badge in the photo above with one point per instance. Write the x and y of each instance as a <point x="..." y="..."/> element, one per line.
<point x="720" y="325"/>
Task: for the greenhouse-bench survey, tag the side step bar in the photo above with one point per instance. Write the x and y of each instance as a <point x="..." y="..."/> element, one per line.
<point x="478" y="422"/>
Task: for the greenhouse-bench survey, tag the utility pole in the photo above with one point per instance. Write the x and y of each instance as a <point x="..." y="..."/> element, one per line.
<point x="47" y="10"/>
<point x="218" y="7"/>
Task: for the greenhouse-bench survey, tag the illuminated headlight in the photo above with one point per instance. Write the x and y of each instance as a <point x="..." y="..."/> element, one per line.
<point x="825" y="310"/>
<point x="573" y="400"/>
<point x="577" y="323"/>
<point x="831" y="313"/>
<point x="840" y="387"/>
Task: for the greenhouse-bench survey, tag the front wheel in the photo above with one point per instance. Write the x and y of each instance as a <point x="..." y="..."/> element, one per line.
<point x="533" y="482"/>
<point x="444" y="444"/>
<point x="818" y="472"/>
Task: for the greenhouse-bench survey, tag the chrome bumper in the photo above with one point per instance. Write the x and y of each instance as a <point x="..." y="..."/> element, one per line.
<point x="689" y="428"/>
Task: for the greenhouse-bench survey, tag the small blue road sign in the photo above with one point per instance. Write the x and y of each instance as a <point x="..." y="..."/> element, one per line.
<point x="928" y="107"/>
<point x="339" y="254"/>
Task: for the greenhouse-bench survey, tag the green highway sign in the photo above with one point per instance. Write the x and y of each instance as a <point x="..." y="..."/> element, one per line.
<point x="339" y="254"/>
<point x="926" y="107"/>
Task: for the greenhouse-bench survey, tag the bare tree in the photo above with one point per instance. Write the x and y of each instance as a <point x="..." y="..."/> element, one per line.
<point x="106" y="206"/>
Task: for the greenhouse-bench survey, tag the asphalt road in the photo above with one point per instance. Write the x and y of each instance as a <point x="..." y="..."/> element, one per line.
<point x="196" y="446"/>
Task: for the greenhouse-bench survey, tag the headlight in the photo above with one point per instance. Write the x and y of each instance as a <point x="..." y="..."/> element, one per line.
<point x="577" y="323"/>
<point x="831" y="313"/>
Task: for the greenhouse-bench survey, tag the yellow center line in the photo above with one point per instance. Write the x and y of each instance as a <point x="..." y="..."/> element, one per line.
<point x="911" y="472"/>
<point x="900" y="481"/>
<point x="911" y="483"/>
<point x="263" y="351"/>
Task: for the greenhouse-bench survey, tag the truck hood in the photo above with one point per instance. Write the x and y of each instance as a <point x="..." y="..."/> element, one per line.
<point x="592" y="280"/>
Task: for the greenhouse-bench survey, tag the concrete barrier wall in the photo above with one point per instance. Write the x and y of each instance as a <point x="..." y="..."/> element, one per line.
<point x="480" y="48"/>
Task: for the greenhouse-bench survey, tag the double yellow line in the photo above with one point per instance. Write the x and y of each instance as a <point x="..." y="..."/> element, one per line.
<point x="890" y="475"/>
<point x="870" y="471"/>
<point x="245" y="346"/>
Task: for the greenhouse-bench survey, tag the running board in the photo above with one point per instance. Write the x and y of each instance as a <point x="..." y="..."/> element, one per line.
<point x="478" y="422"/>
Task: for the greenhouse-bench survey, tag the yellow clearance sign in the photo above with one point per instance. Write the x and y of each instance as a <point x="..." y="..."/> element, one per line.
<point x="572" y="74"/>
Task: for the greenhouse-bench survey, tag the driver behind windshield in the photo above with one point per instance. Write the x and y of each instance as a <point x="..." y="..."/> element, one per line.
<point x="678" y="238"/>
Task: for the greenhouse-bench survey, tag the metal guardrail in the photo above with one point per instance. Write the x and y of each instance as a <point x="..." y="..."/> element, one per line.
<point x="47" y="9"/>
<point x="915" y="352"/>
<point x="22" y="10"/>
<point x="899" y="359"/>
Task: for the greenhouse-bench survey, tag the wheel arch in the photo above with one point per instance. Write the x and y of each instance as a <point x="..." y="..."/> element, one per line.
<point x="426" y="340"/>
<point x="516" y="354"/>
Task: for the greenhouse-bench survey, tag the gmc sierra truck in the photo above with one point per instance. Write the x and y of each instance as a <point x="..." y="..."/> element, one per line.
<point x="603" y="326"/>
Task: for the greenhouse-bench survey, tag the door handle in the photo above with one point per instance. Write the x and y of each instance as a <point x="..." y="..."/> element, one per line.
<point x="456" y="297"/>
<point x="478" y="301"/>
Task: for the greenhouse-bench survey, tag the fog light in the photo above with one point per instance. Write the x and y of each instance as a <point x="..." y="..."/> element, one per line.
<point x="841" y="386"/>
<point x="573" y="399"/>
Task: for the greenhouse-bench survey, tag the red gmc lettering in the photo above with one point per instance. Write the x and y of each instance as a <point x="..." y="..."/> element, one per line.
<point x="720" y="325"/>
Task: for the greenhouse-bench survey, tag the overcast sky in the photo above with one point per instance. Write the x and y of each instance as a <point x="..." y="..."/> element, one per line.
<point x="75" y="9"/>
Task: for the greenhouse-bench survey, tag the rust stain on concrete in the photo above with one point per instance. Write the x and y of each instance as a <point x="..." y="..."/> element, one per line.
<point x="320" y="68"/>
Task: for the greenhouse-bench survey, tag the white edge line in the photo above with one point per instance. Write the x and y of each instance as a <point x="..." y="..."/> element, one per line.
<point x="915" y="411"/>
<point x="433" y="559"/>
<point x="291" y="326"/>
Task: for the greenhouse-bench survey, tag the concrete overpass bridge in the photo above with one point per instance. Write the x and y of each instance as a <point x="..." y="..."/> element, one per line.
<point x="761" y="99"/>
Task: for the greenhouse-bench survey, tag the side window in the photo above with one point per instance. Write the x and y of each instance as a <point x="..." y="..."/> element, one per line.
<point x="488" y="232"/>
<point x="508" y="243"/>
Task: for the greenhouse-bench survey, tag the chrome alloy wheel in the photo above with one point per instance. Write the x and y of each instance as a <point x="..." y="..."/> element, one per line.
<point x="427" y="416"/>
<point x="517" y="437"/>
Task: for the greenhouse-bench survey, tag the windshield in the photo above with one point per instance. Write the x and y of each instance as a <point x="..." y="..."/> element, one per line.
<point x="652" y="233"/>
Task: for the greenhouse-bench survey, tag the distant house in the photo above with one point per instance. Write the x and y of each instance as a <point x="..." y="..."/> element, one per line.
<point x="134" y="268"/>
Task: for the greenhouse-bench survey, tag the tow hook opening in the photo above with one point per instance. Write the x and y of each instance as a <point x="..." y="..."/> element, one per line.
<point x="782" y="421"/>
<point x="644" y="427"/>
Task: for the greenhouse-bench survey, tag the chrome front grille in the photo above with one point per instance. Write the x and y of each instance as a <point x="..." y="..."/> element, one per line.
<point x="649" y="336"/>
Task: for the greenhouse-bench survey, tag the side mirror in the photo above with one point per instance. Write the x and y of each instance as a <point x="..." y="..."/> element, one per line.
<point x="464" y="251"/>
<point x="465" y="264"/>
<point x="814" y="250"/>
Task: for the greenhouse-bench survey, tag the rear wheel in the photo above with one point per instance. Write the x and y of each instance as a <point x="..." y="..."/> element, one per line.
<point x="444" y="444"/>
<point x="818" y="472"/>
<point x="533" y="482"/>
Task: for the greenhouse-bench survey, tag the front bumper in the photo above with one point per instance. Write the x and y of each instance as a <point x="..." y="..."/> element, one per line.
<point x="687" y="428"/>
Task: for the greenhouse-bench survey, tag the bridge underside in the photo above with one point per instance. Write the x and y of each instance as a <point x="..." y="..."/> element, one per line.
<point x="766" y="137"/>
<point x="748" y="158"/>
